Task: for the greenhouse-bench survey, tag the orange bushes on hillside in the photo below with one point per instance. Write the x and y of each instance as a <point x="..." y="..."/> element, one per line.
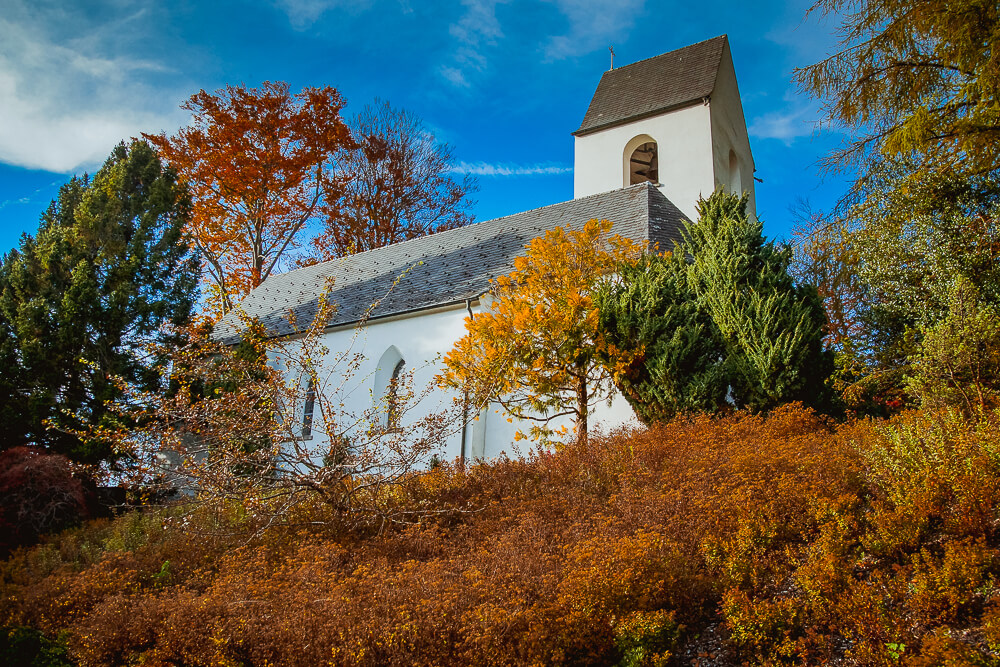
<point x="744" y="538"/>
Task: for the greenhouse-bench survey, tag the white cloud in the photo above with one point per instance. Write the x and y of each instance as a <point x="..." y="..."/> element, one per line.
<point x="478" y="27"/>
<point x="454" y="76"/>
<point x="303" y="13"/>
<point x="786" y="125"/>
<point x="486" y="169"/>
<point x="593" y="24"/>
<point x="589" y="25"/>
<point x="68" y="101"/>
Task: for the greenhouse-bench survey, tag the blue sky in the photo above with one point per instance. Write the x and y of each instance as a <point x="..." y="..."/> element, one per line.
<point x="503" y="81"/>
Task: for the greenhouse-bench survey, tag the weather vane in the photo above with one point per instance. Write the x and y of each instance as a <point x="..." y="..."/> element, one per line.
<point x="612" y="50"/>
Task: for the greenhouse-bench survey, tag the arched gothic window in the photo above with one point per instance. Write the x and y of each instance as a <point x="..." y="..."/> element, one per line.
<point x="735" y="179"/>
<point x="308" y="409"/>
<point x="387" y="386"/>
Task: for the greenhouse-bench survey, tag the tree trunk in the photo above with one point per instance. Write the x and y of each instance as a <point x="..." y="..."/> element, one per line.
<point x="581" y="406"/>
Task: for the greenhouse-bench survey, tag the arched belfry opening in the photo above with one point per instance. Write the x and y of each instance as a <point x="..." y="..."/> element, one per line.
<point x="643" y="164"/>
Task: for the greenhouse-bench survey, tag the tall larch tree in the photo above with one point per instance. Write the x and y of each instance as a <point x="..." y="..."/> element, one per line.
<point x="915" y="85"/>
<point x="259" y="164"/>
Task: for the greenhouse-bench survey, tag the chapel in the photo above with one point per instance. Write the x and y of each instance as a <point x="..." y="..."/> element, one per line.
<point x="658" y="135"/>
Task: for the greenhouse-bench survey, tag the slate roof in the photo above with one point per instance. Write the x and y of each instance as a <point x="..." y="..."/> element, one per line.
<point x="447" y="267"/>
<point x="654" y="85"/>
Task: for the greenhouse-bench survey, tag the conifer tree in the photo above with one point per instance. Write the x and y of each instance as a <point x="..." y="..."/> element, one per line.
<point x="107" y="269"/>
<point x="772" y="329"/>
<point x="717" y="321"/>
<point x="651" y="307"/>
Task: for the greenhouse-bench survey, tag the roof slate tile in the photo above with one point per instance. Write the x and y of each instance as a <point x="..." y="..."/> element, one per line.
<point x="653" y="85"/>
<point x="446" y="267"/>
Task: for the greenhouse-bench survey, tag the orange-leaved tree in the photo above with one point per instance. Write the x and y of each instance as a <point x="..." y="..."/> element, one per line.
<point x="258" y="162"/>
<point x="535" y="351"/>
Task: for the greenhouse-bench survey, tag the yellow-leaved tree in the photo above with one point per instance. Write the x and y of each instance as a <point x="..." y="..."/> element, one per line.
<point x="535" y="352"/>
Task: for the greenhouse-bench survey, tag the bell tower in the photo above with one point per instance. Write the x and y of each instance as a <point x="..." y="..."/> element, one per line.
<point x="674" y="120"/>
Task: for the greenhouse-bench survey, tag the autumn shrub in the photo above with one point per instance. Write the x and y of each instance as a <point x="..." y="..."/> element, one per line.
<point x="755" y="539"/>
<point x="39" y="493"/>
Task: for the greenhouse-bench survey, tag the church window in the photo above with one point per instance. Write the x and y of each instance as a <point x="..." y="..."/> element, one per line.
<point x="308" y="409"/>
<point x="392" y="402"/>
<point x="387" y="390"/>
<point x="644" y="164"/>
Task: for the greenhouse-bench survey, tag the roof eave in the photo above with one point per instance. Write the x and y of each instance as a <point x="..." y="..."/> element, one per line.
<point x="695" y="101"/>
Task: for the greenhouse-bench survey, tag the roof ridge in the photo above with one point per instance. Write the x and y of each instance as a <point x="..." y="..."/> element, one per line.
<point x="724" y="35"/>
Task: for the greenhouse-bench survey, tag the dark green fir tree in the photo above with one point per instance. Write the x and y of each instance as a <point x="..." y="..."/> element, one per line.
<point x="83" y="299"/>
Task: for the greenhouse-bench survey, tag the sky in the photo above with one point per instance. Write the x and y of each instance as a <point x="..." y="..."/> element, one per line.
<point x="504" y="82"/>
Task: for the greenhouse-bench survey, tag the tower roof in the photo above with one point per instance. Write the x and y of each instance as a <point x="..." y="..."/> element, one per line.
<point x="654" y="85"/>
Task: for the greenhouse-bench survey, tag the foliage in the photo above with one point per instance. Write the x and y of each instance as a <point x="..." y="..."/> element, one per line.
<point x="865" y="543"/>
<point x="915" y="85"/>
<point x="651" y="308"/>
<point x="926" y="238"/>
<point x="772" y="328"/>
<point x="258" y="162"/>
<point x="825" y="255"/>
<point x="535" y="352"/>
<point x="39" y="493"/>
<point x="108" y="268"/>
<point x="915" y="79"/>
<point x="958" y="360"/>
<point x="396" y="186"/>
<point x="26" y="647"/>
<point x="718" y="321"/>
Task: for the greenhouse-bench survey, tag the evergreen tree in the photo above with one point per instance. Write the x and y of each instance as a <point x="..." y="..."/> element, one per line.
<point x="772" y="329"/>
<point x="719" y="320"/>
<point x="81" y="301"/>
<point x="651" y="307"/>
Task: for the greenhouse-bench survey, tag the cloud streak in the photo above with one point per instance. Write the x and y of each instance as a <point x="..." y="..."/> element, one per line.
<point x="589" y="25"/>
<point x="592" y="25"/>
<point x="797" y="120"/>
<point x="486" y="169"/>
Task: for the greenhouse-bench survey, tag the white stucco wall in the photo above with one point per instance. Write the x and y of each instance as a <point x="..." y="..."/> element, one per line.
<point x="423" y="340"/>
<point x="729" y="132"/>
<point x="684" y="146"/>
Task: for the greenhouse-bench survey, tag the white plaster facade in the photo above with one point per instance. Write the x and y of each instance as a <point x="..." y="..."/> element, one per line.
<point x="421" y="340"/>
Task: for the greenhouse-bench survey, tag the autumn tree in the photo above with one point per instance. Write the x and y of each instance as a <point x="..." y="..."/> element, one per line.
<point x="259" y="164"/>
<point x="535" y="351"/>
<point x="825" y="254"/>
<point x="397" y="185"/>
<point x="108" y="268"/>
<point x="914" y="79"/>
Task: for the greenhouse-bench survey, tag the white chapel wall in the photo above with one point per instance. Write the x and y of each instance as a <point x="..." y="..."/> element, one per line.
<point x="729" y="134"/>
<point x="684" y="146"/>
<point x="422" y="340"/>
